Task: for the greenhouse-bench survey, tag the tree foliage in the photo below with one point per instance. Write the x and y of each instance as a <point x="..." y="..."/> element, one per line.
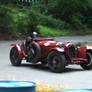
<point x="17" y="21"/>
<point x="75" y="12"/>
<point x="22" y="18"/>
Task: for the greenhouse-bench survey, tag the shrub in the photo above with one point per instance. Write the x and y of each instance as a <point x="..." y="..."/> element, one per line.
<point x="77" y="22"/>
<point x="52" y="22"/>
<point x="69" y="10"/>
<point x="18" y="22"/>
<point x="89" y="22"/>
<point x="4" y="18"/>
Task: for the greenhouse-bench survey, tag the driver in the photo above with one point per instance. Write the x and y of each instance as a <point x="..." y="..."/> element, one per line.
<point x="30" y="38"/>
<point x="33" y="34"/>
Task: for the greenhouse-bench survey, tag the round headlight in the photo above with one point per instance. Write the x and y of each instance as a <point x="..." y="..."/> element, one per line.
<point x="62" y="46"/>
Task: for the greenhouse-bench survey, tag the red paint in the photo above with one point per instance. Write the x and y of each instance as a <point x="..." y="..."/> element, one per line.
<point x="81" y="52"/>
<point x="48" y="45"/>
<point x="20" y="51"/>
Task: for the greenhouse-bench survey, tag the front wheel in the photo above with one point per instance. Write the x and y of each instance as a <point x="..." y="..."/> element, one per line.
<point x="56" y="61"/>
<point x="14" y="57"/>
<point x="88" y="66"/>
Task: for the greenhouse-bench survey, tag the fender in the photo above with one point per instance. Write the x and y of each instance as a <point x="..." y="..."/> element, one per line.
<point x="58" y="49"/>
<point x="89" y="47"/>
<point x="82" y="52"/>
<point x="19" y="49"/>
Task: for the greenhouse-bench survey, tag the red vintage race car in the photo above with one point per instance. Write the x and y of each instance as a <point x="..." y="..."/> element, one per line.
<point x="56" y="54"/>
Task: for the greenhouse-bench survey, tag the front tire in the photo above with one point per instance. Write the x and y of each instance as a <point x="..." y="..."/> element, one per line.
<point x="56" y="61"/>
<point x="88" y="66"/>
<point x="14" y="57"/>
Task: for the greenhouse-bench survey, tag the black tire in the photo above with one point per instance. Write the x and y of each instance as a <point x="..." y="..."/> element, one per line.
<point x="37" y="49"/>
<point x="34" y="52"/>
<point x="88" y="66"/>
<point x="56" y="61"/>
<point x="14" y="57"/>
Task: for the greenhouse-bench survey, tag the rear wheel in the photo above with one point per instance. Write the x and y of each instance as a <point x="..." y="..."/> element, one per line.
<point x="14" y="57"/>
<point x="88" y="66"/>
<point x="56" y="61"/>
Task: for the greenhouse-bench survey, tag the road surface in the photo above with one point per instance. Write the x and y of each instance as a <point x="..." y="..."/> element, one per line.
<point x="72" y="77"/>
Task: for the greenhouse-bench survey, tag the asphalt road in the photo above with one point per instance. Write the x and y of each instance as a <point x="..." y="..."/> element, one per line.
<point x="72" y="77"/>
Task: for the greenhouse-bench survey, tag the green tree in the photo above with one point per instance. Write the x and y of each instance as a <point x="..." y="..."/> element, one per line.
<point x="71" y="11"/>
<point x="17" y="22"/>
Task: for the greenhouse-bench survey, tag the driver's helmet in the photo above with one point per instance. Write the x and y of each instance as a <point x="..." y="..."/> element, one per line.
<point x="34" y="34"/>
<point x="29" y="39"/>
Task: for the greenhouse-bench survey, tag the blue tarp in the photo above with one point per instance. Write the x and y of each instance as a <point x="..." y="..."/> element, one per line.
<point x="8" y="84"/>
<point x="17" y="86"/>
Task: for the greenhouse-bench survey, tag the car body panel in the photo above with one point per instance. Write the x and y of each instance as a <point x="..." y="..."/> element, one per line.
<point x="73" y="53"/>
<point x="18" y="47"/>
<point x="81" y="52"/>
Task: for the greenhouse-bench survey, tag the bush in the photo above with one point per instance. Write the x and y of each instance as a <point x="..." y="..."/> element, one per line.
<point x="70" y="11"/>
<point x="47" y="31"/>
<point x="52" y="22"/>
<point x="89" y="22"/>
<point x="77" y="22"/>
<point x="4" y="18"/>
<point x="18" y="22"/>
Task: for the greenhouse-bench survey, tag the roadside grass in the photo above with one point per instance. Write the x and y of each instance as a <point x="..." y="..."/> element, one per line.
<point x="88" y="31"/>
<point x="89" y="44"/>
<point x="45" y="31"/>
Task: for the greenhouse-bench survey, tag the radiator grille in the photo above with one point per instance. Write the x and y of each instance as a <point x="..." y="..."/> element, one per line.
<point x="72" y="51"/>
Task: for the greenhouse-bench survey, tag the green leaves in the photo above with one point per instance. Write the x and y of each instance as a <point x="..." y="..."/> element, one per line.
<point x="70" y="11"/>
<point x="18" y="22"/>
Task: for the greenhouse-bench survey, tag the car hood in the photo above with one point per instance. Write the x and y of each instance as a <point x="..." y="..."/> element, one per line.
<point x="50" y="43"/>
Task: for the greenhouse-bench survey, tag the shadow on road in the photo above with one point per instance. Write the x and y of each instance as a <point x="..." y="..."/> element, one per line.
<point x="71" y="70"/>
<point x="46" y="69"/>
<point x="36" y="67"/>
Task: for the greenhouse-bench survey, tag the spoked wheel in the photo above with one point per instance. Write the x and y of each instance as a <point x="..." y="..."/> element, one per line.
<point x="88" y="66"/>
<point x="14" y="57"/>
<point x="56" y="61"/>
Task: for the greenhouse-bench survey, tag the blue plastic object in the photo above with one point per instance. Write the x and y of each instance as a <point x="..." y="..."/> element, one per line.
<point x="75" y="90"/>
<point x="17" y="86"/>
